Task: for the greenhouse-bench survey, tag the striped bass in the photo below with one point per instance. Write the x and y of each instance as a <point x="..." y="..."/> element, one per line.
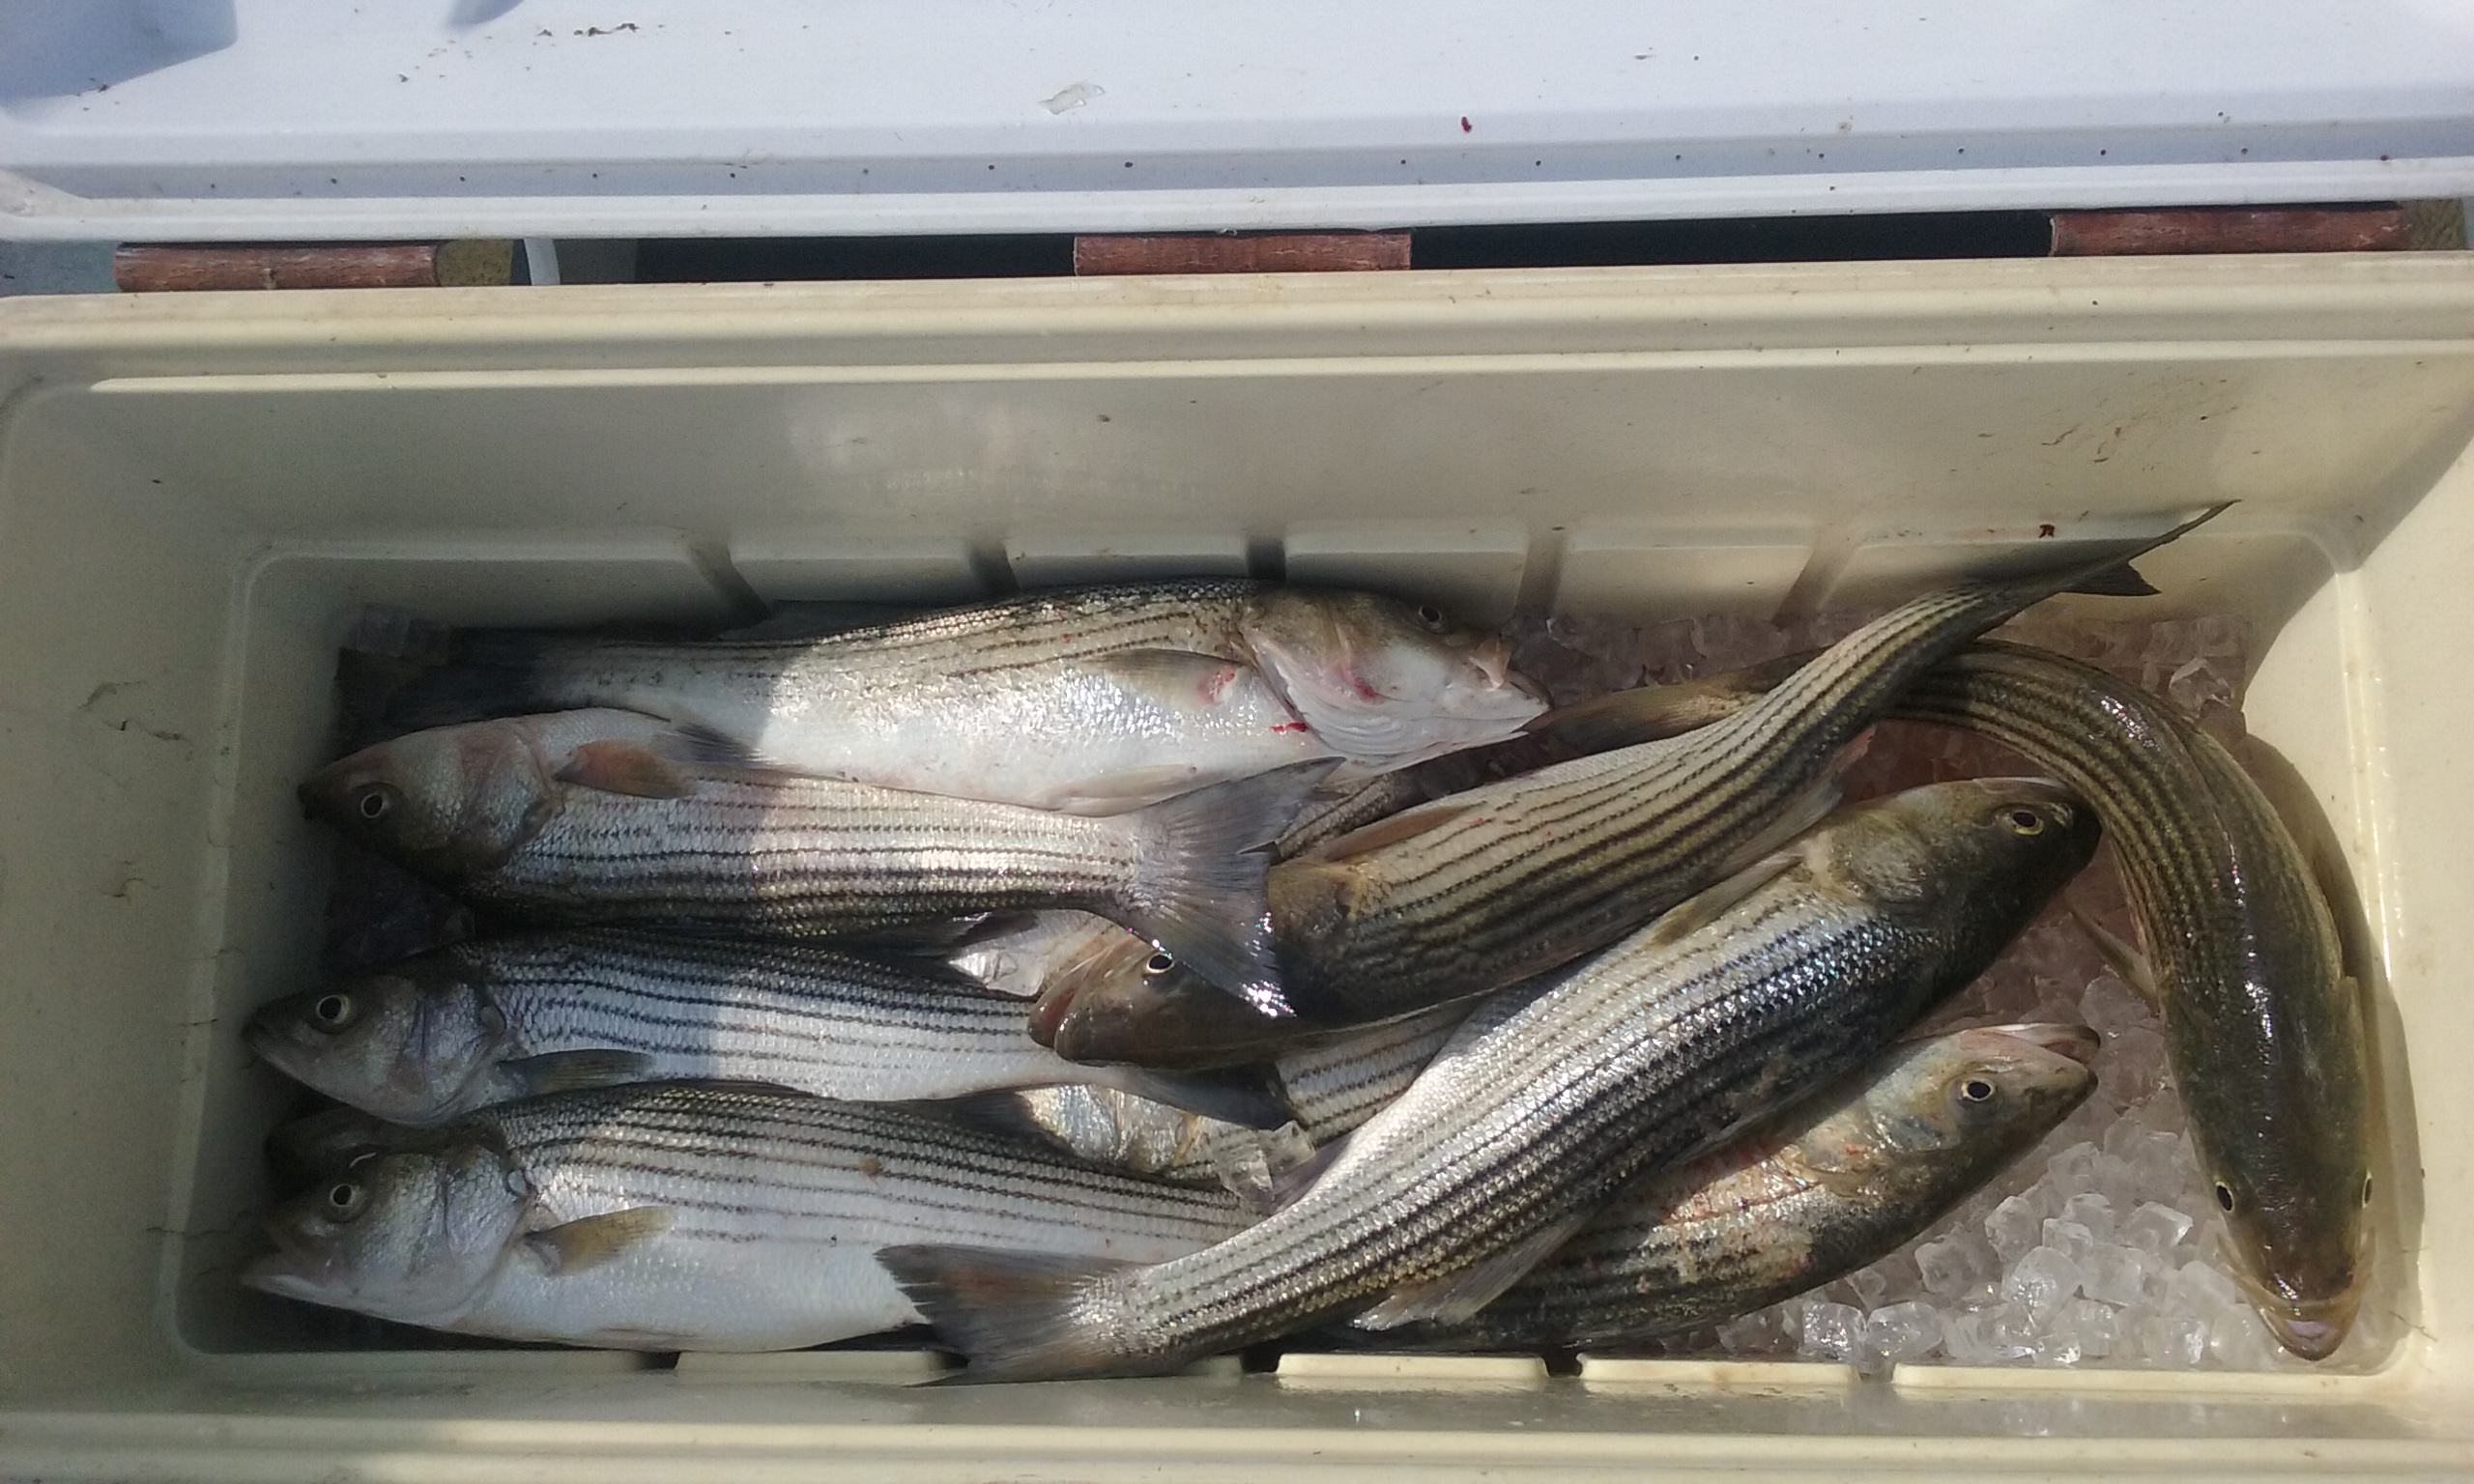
<point x="498" y="1019"/>
<point x="1550" y="1099"/>
<point x="1093" y="699"/>
<point x="605" y="816"/>
<point x="687" y="1218"/>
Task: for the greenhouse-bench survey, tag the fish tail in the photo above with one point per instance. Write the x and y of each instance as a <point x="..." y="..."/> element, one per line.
<point x="1018" y="1316"/>
<point x="1653" y="713"/>
<point x="1199" y="890"/>
<point x="488" y="674"/>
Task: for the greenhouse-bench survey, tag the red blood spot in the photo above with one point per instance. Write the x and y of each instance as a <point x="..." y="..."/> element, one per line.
<point x="1218" y="685"/>
<point x="2044" y="530"/>
<point x="1465" y="125"/>
<point x="1288" y="726"/>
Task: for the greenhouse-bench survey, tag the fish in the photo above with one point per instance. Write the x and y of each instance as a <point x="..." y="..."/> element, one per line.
<point x="1330" y="1087"/>
<point x="1833" y="1183"/>
<point x="429" y="1040"/>
<point x="600" y="816"/>
<point x="1511" y="880"/>
<point x="1550" y="1098"/>
<point x="2263" y="1026"/>
<point x="1016" y="956"/>
<point x="1093" y="699"/>
<point x="682" y="1217"/>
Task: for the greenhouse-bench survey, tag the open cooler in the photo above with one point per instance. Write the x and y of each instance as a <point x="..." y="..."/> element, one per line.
<point x="198" y="494"/>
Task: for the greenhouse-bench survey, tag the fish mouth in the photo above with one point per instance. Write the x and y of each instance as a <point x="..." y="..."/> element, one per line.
<point x="2311" y="1330"/>
<point x="2076" y="1042"/>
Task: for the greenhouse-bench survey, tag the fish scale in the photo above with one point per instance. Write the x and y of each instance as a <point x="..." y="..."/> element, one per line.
<point x="1551" y="1097"/>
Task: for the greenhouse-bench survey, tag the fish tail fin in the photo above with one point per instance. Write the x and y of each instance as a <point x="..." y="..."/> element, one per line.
<point x="2107" y="572"/>
<point x="488" y="672"/>
<point x="1199" y="891"/>
<point x="1018" y="1316"/>
<point x="1242" y="1096"/>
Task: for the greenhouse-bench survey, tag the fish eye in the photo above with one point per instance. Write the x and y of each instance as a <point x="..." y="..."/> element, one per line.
<point x="331" y="1012"/>
<point x="2225" y="1197"/>
<point x="2024" y="821"/>
<point x="1976" y="1090"/>
<point x="374" y="802"/>
<point x="2366" y="1190"/>
<point x="1158" y="964"/>
<point x="346" y="1199"/>
<point x="1430" y="615"/>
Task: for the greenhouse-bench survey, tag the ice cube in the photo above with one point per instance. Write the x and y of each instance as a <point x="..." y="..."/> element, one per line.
<point x="2114" y="1178"/>
<point x="1902" y="1333"/>
<point x="2041" y="1280"/>
<point x="2081" y="1329"/>
<point x="1758" y="1333"/>
<point x="1951" y="1265"/>
<point x="2109" y="1007"/>
<point x="2239" y="1341"/>
<point x="2093" y="1210"/>
<point x="2070" y="1238"/>
<point x="2132" y="1066"/>
<point x="2199" y="1289"/>
<point x="1869" y="1285"/>
<point x="2012" y="1330"/>
<point x="2155" y="1229"/>
<point x="2072" y="1171"/>
<point x="2014" y="1227"/>
<point x="1966" y="1337"/>
<point x="2174" y="1340"/>
<point x="2115" y="1274"/>
<point x="1833" y="1332"/>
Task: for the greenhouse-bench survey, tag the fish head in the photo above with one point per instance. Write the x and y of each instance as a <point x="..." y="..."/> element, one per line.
<point x="1970" y="862"/>
<point x="2293" y="1238"/>
<point x="413" y="1044"/>
<point x="414" y="1235"/>
<point x="1386" y="683"/>
<point x="1124" y="1000"/>
<point x="330" y="1142"/>
<point x="452" y="801"/>
<point x="1983" y="1094"/>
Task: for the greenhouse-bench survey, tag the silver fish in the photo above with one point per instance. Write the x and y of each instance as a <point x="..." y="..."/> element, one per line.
<point x="685" y="1218"/>
<point x="1552" y="1098"/>
<point x="1827" y="1187"/>
<point x="608" y="815"/>
<point x="1092" y="699"/>
<point x="493" y="1020"/>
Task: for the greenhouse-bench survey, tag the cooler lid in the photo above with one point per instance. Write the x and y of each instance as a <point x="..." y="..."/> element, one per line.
<point x="329" y="118"/>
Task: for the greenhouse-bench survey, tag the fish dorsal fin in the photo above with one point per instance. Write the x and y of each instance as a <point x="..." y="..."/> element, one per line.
<point x="1455" y="1296"/>
<point x="625" y="768"/>
<point x="581" y="1245"/>
<point x="568" y="1071"/>
<point x="1382" y="834"/>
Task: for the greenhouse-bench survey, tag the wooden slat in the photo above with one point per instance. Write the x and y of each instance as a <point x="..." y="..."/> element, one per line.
<point x="151" y="267"/>
<point x="2375" y="227"/>
<point x="1268" y="252"/>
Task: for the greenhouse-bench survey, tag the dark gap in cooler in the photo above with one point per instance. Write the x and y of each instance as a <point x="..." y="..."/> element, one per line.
<point x="743" y="260"/>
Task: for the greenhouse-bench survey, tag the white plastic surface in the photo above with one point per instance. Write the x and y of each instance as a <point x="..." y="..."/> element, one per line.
<point x="194" y="119"/>
<point x="197" y="493"/>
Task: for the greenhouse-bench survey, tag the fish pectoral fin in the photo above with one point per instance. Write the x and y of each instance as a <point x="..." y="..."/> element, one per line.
<point x="1115" y="793"/>
<point x="1457" y="1295"/>
<point x="1250" y="1168"/>
<point x="566" y="1071"/>
<point x="581" y="1245"/>
<point x="626" y="768"/>
<point x="691" y="743"/>
<point x="1288" y="1185"/>
<point x="1712" y="903"/>
<point x="1244" y="1095"/>
<point x="1175" y="677"/>
<point x="1408" y="824"/>
<point x="2127" y="962"/>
